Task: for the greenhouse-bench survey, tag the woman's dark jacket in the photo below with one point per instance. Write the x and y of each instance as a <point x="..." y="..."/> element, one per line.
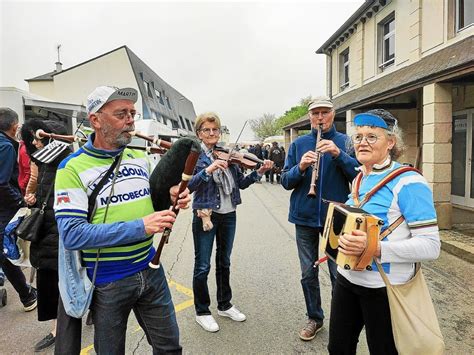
<point x="44" y="252"/>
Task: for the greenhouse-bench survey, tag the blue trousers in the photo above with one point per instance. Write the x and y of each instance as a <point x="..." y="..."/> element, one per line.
<point x="223" y="232"/>
<point x="148" y="295"/>
<point x="307" y="241"/>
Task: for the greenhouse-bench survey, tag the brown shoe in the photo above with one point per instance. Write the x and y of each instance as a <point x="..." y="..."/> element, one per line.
<point x="310" y="329"/>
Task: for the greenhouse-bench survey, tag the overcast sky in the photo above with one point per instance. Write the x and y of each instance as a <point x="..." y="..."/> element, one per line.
<point x="240" y="59"/>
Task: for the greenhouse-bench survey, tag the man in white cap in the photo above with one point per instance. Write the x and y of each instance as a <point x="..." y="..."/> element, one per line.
<point x="115" y="232"/>
<point x="336" y="170"/>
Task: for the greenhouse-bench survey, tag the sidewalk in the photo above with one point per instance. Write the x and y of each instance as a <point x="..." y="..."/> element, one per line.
<point x="459" y="241"/>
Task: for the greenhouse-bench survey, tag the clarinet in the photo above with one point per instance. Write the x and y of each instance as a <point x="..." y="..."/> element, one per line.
<point x="315" y="174"/>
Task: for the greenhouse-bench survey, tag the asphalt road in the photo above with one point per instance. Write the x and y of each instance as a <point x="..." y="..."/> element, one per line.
<point x="266" y="287"/>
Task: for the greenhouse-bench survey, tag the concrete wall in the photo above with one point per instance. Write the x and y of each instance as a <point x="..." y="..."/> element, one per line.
<point x="433" y="27"/>
<point x="42" y="88"/>
<point x="437" y="156"/>
<point x="112" y="69"/>
<point x="408" y="122"/>
<point x="13" y="98"/>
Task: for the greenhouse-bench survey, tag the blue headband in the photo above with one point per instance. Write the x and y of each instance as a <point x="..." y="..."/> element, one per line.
<point x="368" y="119"/>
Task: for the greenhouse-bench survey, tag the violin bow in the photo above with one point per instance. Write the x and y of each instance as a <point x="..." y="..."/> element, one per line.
<point x="237" y="140"/>
<point x="187" y="174"/>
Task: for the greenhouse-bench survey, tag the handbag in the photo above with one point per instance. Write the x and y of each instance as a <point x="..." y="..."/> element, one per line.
<point x="415" y="325"/>
<point x="29" y="227"/>
<point x="77" y="289"/>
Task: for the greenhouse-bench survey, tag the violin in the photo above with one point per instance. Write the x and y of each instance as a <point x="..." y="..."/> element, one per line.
<point x="245" y="160"/>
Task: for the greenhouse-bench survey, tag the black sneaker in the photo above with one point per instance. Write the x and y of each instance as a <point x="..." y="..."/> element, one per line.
<point x="45" y="343"/>
<point x="31" y="301"/>
<point x="2" y="280"/>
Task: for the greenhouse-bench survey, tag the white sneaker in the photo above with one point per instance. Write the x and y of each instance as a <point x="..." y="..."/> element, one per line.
<point x="233" y="313"/>
<point x="208" y="323"/>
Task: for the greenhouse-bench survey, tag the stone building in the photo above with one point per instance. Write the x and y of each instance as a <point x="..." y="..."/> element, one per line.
<point x="414" y="58"/>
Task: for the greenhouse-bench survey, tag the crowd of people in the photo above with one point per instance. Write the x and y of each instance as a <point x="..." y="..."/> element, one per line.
<point x="115" y="235"/>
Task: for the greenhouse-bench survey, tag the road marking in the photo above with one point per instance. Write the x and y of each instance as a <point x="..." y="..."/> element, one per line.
<point x="178" y="308"/>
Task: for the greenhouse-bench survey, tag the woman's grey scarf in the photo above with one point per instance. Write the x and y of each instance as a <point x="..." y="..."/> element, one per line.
<point x="223" y="178"/>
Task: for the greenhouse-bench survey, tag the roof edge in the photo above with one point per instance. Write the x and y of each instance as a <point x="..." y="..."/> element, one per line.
<point x="359" y="12"/>
<point x="90" y="60"/>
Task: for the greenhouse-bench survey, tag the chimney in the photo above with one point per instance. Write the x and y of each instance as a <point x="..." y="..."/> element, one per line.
<point x="59" y="67"/>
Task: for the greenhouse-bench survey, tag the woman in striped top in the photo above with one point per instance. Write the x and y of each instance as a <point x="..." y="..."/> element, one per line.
<point x="360" y="297"/>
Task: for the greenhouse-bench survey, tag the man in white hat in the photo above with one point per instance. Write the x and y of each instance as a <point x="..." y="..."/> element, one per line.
<point x="116" y="235"/>
<point x="336" y="170"/>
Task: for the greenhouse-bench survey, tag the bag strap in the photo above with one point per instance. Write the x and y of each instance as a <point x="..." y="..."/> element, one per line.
<point x="98" y="187"/>
<point x="372" y="240"/>
<point x="392" y="175"/>
<point x="92" y="201"/>
<point x="45" y="202"/>
<point x="384" y="275"/>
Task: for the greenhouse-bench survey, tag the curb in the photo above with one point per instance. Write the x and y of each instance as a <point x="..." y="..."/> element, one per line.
<point x="457" y="250"/>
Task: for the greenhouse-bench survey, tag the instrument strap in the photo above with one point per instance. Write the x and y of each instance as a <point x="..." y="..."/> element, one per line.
<point x="392" y="175"/>
<point x="372" y="228"/>
<point x="372" y="241"/>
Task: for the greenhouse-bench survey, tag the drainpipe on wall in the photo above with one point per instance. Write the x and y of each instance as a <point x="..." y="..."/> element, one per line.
<point x="329" y="75"/>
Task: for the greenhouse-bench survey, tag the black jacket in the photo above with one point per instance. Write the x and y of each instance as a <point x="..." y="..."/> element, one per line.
<point x="44" y="252"/>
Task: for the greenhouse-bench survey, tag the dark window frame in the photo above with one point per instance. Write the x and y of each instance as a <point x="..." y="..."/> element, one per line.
<point x="344" y="69"/>
<point x="386" y="35"/>
<point x="460" y="14"/>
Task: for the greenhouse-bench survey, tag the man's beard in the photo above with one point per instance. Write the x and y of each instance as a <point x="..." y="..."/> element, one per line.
<point x="119" y="139"/>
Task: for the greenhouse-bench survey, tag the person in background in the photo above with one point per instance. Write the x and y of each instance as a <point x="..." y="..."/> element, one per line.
<point x="336" y="170"/>
<point x="216" y="185"/>
<point x="276" y="155"/>
<point x="12" y="200"/>
<point x="24" y="169"/>
<point x="44" y="251"/>
<point x="360" y="297"/>
<point x="265" y="155"/>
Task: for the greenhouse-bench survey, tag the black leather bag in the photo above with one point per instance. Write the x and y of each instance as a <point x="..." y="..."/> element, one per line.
<point x="29" y="227"/>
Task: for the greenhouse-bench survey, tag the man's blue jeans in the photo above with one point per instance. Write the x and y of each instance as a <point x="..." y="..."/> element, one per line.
<point x="307" y="240"/>
<point x="148" y="295"/>
<point x="223" y="231"/>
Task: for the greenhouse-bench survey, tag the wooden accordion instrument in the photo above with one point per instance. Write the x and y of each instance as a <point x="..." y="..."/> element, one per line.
<point x="344" y="219"/>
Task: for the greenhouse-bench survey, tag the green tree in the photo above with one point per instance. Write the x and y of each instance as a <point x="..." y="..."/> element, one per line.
<point x="294" y="114"/>
<point x="265" y="126"/>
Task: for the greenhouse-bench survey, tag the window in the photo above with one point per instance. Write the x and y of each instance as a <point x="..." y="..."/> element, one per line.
<point x="168" y="102"/>
<point x="148" y="88"/>
<point x="464" y="13"/>
<point x="190" y="126"/>
<point x="183" y="125"/>
<point x="387" y="42"/>
<point x="174" y="124"/>
<point x="159" y="96"/>
<point x="344" y="69"/>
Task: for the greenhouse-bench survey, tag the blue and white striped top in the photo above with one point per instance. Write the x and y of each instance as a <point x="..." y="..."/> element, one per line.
<point x="416" y="239"/>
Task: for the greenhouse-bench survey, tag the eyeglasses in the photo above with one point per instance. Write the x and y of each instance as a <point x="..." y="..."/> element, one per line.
<point x="318" y="113"/>
<point x="207" y="131"/>
<point x="123" y="114"/>
<point x="370" y="138"/>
